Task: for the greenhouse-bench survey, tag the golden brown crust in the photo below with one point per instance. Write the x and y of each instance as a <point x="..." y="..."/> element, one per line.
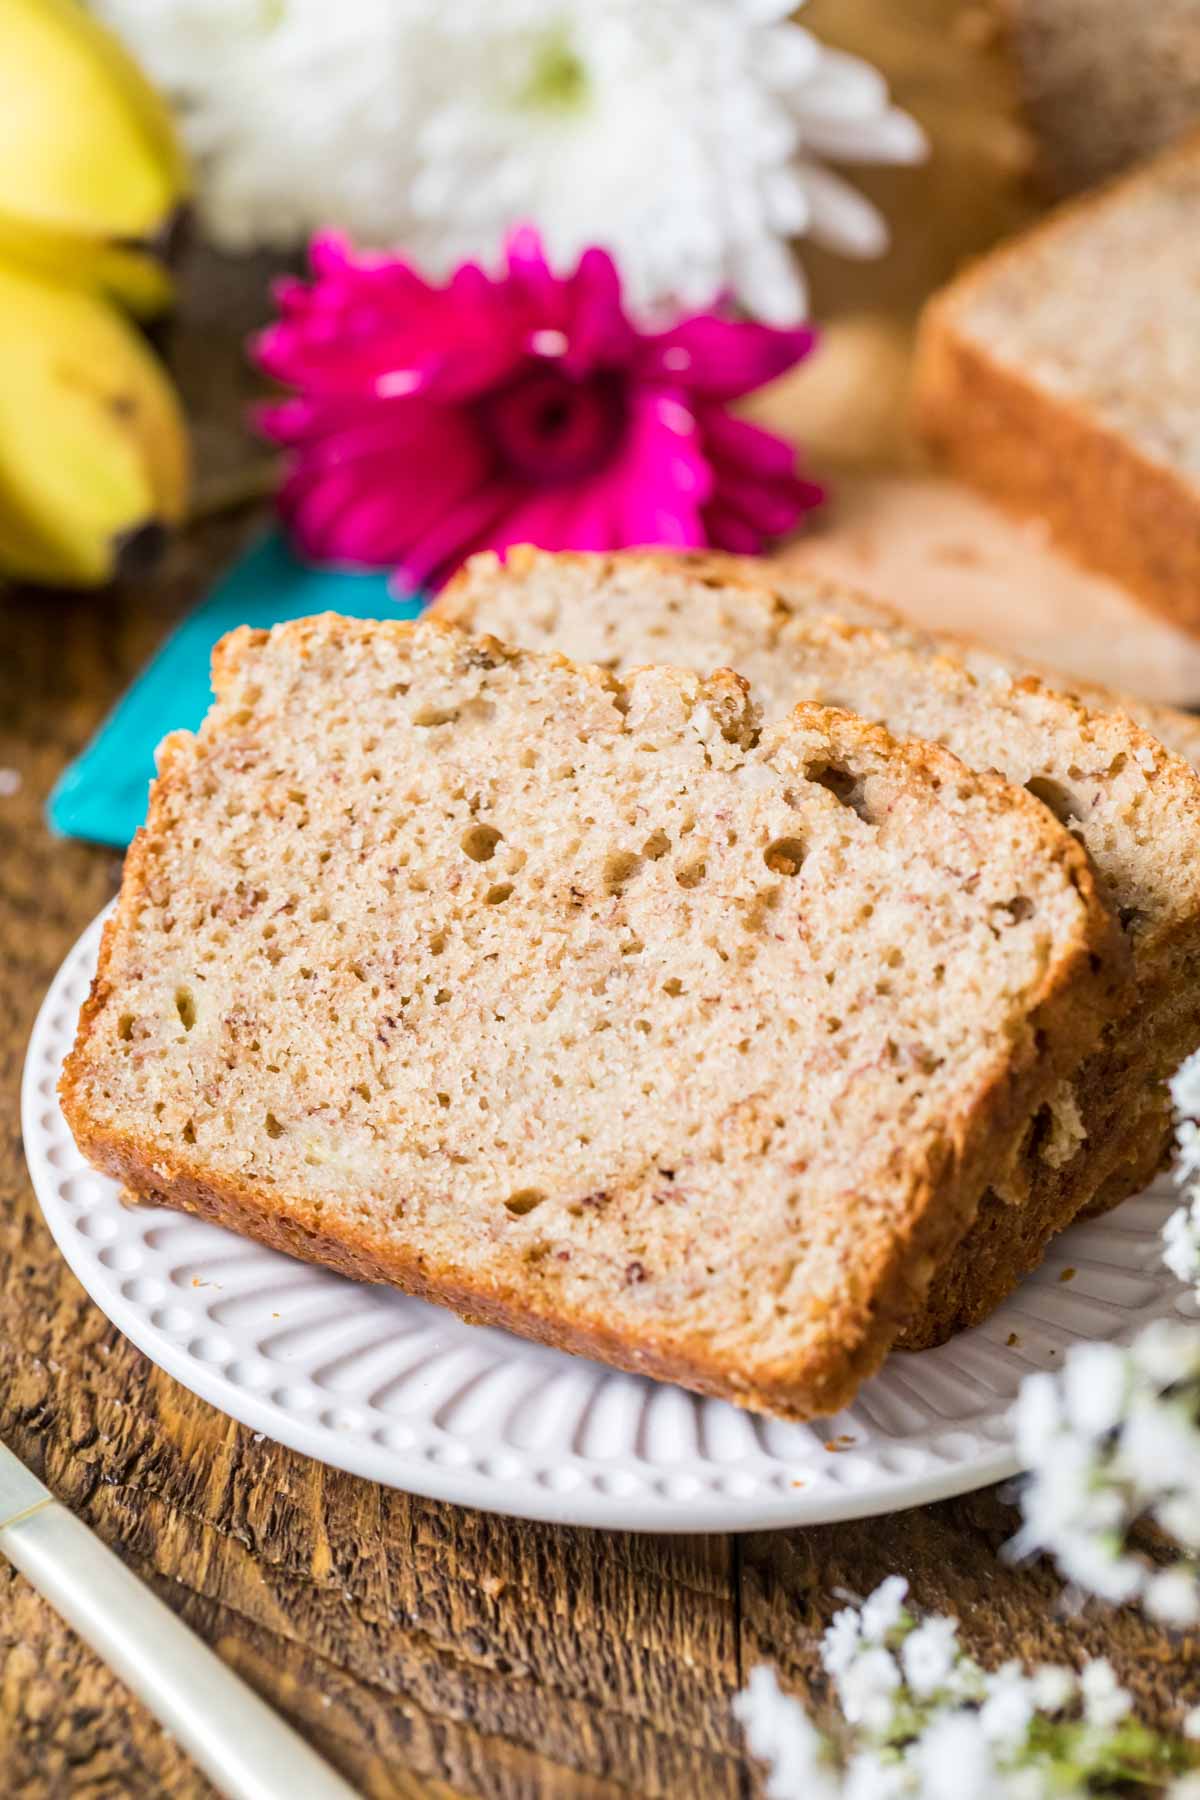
<point x="942" y="1180"/>
<point x="1106" y="503"/>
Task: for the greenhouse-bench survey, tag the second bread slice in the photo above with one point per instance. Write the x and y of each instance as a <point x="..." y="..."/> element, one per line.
<point x="572" y="1003"/>
<point x="1135" y="807"/>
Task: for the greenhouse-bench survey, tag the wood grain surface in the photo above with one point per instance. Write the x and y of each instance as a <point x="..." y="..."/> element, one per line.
<point x="426" y="1650"/>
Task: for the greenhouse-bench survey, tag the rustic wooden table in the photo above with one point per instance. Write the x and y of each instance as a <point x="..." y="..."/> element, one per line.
<point x="424" y="1649"/>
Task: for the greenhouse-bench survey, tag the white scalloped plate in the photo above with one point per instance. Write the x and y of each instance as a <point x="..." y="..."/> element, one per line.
<point x="388" y="1387"/>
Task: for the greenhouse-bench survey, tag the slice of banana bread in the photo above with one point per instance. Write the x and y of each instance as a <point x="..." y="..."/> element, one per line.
<point x="526" y="614"/>
<point x="572" y="1003"/>
<point x="1134" y="806"/>
<point x="1061" y="374"/>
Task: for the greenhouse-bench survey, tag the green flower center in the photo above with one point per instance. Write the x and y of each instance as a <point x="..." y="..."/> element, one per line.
<point x="557" y="79"/>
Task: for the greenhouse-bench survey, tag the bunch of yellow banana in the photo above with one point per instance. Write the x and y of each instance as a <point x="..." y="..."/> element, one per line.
<point x="93" y="450"/>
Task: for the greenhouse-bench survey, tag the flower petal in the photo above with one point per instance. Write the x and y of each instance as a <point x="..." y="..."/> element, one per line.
<point x="367" y="497"/>
<point x="462" y="530"/>
<point x="598" y="331"/>
<point x="723" y="358"/>
<point x="728" y="531"/>
<point x="747" y="447"/>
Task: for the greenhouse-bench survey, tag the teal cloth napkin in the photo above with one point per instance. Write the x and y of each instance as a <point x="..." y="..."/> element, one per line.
<point x="102" y="794"/>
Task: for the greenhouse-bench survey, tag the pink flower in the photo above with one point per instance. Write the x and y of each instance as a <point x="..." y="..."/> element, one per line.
<point x="430" y="422"/>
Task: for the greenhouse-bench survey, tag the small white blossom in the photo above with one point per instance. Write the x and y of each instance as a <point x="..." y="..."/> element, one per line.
<point x="1095" y="1388"/>
<point x="883" y="1610"/>
<point x="1007" y="1713"/>
<point x="869" y="1777"/>
<point x="1054" y="1688"/>
<point x="954" y="1761"/>
<point x="1185" y="1087"/>
<point x="955" y="1732"/>
<point x="841" y="1642"/>
<point x="1173" y="1597"/>
<point x="780" y="1733"/>
<point x="928" y="1656"/>
<point x="1105" y="1701"/>
<point x="1038" y="1417"/>
<point x="1166" y="1353"/>
<point x="1191" y="1724"/>
<point x="1115" y="1438"/>
<point x="867" y="1689"/>
<point x="1181" y="1241"/>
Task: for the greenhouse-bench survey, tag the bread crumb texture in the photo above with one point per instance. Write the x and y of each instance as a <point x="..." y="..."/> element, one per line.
<point x="1130" y="802"/>
<point x="575" y="1001"/>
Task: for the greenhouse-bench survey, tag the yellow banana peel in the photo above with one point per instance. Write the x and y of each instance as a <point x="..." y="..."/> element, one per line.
<point x="93" y="451"/>
<point x="93" y="447"/>
<point x="86" y="145"/>
<point x="130" y="276"/>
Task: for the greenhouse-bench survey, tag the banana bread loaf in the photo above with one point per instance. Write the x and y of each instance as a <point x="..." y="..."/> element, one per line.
<point x="1061" y="374"/>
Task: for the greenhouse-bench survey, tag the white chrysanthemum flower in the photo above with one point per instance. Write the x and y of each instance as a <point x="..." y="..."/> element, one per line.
<point x="691" y="138"/>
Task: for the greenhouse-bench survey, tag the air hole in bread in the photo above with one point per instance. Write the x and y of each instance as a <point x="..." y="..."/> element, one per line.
<point x="496" y="896"/>
<point x="524" y="1201"/>
<point x="656" y="845"/>
<point x="185" y="1006"/>
<point x="434" y="715"/>
<point x="692" y="873"/>
<point x="479" y="842"/>
<point x="125" y="1027"/>
<point x="273" y="1128"/>
<point x="844" y="785"/>
<point x="674" y="986"/>
<point x="784" y="856"/>
<point x="619" y="865"/>
<point x="1055" y="798"/>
